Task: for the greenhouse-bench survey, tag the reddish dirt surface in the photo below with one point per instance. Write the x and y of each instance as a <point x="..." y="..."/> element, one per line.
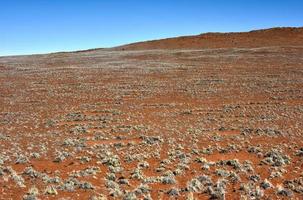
<point x="252" y="39"/>
<point x="154" y="124"/>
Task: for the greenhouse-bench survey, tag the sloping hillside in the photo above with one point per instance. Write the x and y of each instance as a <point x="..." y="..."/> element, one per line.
<point x="258" y="38"/>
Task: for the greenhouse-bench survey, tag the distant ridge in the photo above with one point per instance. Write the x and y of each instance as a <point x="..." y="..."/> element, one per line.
<point x="280" y="36"/>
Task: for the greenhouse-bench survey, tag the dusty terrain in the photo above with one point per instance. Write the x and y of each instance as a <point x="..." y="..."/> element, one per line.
<point x="252" y="39"/>
<point x="208" y="123"/>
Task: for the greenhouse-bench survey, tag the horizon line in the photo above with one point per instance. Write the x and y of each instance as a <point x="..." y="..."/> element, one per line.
<point x="148" y="40"/>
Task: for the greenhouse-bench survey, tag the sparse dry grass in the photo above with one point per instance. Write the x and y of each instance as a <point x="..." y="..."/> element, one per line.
<point x="157" y="124"/>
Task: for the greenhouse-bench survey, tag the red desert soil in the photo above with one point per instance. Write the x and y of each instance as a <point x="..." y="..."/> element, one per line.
<point x="215" y="116"/>
<point x="252" y="39"/>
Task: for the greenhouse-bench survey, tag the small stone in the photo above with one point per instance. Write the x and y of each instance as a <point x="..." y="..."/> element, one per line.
<point x="266" y="184"/>
<point x="284" y="192"/>
<point x="51" y="190"/>
<point x="173" y="192"/>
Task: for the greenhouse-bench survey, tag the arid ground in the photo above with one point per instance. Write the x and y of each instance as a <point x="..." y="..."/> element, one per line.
<point x="168" y="119"/>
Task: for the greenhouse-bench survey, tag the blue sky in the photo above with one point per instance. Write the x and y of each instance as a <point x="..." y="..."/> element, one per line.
<point x="28" y="26"/>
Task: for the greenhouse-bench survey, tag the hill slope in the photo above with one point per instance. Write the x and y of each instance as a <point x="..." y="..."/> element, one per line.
<point x="257" y="38"/>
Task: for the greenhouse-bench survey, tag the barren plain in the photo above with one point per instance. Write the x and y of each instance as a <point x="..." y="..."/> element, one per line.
<point x="155" y="123"/>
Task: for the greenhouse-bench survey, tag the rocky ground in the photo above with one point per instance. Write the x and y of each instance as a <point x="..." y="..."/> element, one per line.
<point x="153" y="124"/>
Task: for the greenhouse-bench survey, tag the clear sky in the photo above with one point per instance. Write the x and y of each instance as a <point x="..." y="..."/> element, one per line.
<point x="40" y="26"/>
